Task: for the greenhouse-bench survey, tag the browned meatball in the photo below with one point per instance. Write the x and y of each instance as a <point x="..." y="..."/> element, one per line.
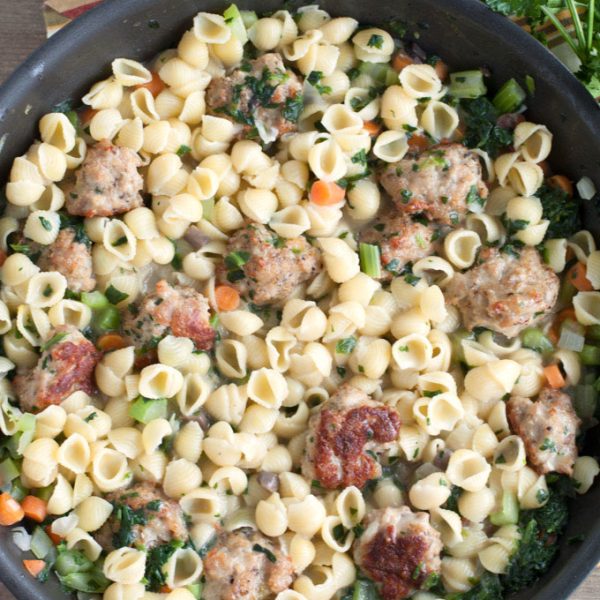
<point x="504" y="292"/>
<point x="398" y="550"/>
<point x="177" y="310"/>
<point x="548" y="427"/>
<point x="264" y="267"/>
<point x="262" y="94"/>
<point x="440" y="183"/>
<point x="245" y="565"/>
<point x="107" y="183"/>
<point x="343" y="436"/>
<point x="401" y="240"/>
<point x="66" y="365"/>
<point x="72" y="259"/>
<point x="142" y="516"/>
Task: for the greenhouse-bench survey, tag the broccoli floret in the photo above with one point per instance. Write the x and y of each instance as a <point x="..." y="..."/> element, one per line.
<point x="482" y="130"/>
<point x="488" y="588"/>
<point x="560" y="210"/>
<point x="539" y="529"/>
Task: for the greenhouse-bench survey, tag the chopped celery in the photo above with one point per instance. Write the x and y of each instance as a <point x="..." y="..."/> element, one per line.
<point x="381" y="73"/>
<point x="145" y="410"/>
<point x="18" y="490"/>
<point x="249" y="17"/>
<point x="467" y="84"/>
<point x="571" y="336"/>
<point x="535" y="339"/>
<point x="590" y="355"/>
<point x="234" y="20"/>
<point x="509" y="97"/>
<point x="91" y="582"/>
<point x="45" y="492"/>
<point x="72" y="561"/>
<point x="364" y="589"/>
<point x="9" y="470"/>
<point x="196" y="590"/>
<point x="509" y="513"/>
<point x="108" y="319"/>
<point x="95" y="300"/>
<point x="593" y="333"/>
<point x="208" y="209"/>
<point x="585" y="401"/>
<point x="26" y="427"/>
<point x="456" y="339"/>
<point x="41" y="544"/>
<point x="369" y="259"/>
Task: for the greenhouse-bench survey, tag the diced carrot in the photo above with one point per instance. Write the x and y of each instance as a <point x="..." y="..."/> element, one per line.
<point x="441" y="68"/>
<point x="227" y="297"/>
<point x="86" y="115"/>
<point x="155" y="85"/>
<point x="165" y="589"/>
<point x="56" y="539"/>
<point x="554" y="377"/>
<point x="2" y="257"/>
<point x="326" y="193"/>
<point x="552" y="336"/>
<point x="401" y="60"/>
<point x="371" y="127"/>
<point x="111" y="341"/>
<point x="34" y="508"/>
<point x="459" y="132"/>
<point x="562" y="182"/>
<point x="418" y="142"/>
<point x="34" y="566"/>
<point x="576" y="275"/>
<point x="10" y="510"/>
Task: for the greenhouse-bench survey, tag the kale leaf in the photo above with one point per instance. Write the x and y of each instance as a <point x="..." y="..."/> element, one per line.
<point x="482" y="130"/>
<point x="560" y="210"/>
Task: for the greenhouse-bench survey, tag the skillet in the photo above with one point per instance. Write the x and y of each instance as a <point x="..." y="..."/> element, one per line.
<point x="464" y="32"/>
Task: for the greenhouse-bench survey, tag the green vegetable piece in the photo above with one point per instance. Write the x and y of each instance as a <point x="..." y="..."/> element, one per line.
<point x="585" y="401"/>
<point x="509" y="97"/>
<point x="92" y="582"/>
<point x="41" y="545"/>
<point x="249" y="17"/>
<point x="108" y="319"/>
<point x="467" y="84"/>
<point x="9" y="470"/>
<point x="114" y="296"/>
<point x="144" y="410"/>
<point x="561" y="210"/>
<point x="45" y="492"/>
<point x="95" y="300"/>
<point x="18" y="491"/>
<point x="72" y="561"/>
<point x="593" y="333"/>
<point x="364" y="589"/>
<point x="55" y="339"/>
<point x="235" y="260"/>
<point x="370" y="262"/>
<point x="196" y="590"/>
<point x="509" y="513"/>
<point x="590" y="355"/>
<point x="534" y="339"/>
<point x="346" y="345"/>
<point x="234" y="20"/>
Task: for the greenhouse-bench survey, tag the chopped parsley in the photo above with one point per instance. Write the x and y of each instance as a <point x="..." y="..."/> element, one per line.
<point x="314" y="77"/>
<point x="375" y="41"/>
<point x="45" y="223"/>
<point x="183" y="150"/>
<point x="265" y="551"/>
<point x="473" y="198"/>
<point x="548" y="445"/>
<point x="114" y="296"/>
<point x="345" y="346"/>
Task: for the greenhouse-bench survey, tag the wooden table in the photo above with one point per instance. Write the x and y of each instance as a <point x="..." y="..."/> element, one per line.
<point x="21" y="31"/>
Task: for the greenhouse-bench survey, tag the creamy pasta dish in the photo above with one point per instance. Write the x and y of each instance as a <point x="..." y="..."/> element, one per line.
<point x="294" y="311"/>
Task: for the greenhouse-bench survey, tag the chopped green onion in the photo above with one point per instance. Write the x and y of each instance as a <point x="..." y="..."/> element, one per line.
<point x="55" y="339"/>
<point x="92" y="582"/>
<point x="509" y="513"/>
<point x="249" y="17"/>
<point x="535" y="339"/>
<point x="590" y="355"/>
<point x="585" y="401"/>
<point x="509" y="97"/>
<point x="467" y="84"/>
<point x="26" y="427"/>
<point x="234" y="20"/>
<point x="41" y="544"/>
<point x="9" y="470"/>
<point x="571" y="336"/>
<point x="107" y="319"/>
<point x="370" y="263"/>
<point x="95" y="300"/>
<point x="72" y="561"/>
<point x="114" y="295"/>
<point x="364" y="589"/>
<point x="235" y="260"/>
<point x="145" y="410"/>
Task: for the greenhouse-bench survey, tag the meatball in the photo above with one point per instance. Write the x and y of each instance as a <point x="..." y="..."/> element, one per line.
<point x="504" y="292"/>
<point x="142" y="516"/>
<point x="343" y="437"/>
<point x="264" y="267"/>
<point x="177" y="310"/>
<point x="401" y="240"/>
<point x="66" y="365"/>
<point x="262" y="94"/>
<point x="107" y="183"/>
<point x="399" y="550"/>
<point x="246" y="565"/>
<point x="72" y="259"/>
<point x="440" y="183"/>
<point x="548" y="427"/>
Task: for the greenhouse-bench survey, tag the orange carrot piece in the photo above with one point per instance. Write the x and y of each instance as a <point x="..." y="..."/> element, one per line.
<point x="227" y="298"/>
<point x="10" y="510"/>
<point x="34" y="566"/>
<point x="576" y="275"/>
<point x="554" y="377"/>
<point x="326" y="193"/>
<point x="86" y="115"/>
<point x="400" y="61"/>
<point x="56" y="539"/>
<point x="111" y="341"/>
<point x="34" y="508"/>
<point x="562" y="182"/>
<point x="441" y="68"/>
<point x="418" y="142"/>
<point x="156" y="85"/>
<point x="371" y="127"/>
<point x="2" y="257"/>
